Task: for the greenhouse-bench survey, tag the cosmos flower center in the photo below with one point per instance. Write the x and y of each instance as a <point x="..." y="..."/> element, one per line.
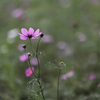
<point x="30" y="72"/>
<point x="29" y="36"/>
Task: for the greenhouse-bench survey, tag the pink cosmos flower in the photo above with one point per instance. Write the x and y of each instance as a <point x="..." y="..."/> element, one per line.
<point x="17" y="13"/>
<point x="33" y="61"/>
<point x="23" y="57"/>
<point x="67" y="75"/>
<point x="30" y="34"/>
<point x="29" y="71"/>
<point x="92" y="77"/>
<point x="62" y="45"/>
<point x="82" y="37"/>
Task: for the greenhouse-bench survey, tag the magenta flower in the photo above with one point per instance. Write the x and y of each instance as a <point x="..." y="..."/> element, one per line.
<point x="30" y="34"/>
<point x="29" y="71"/>
<point x="34" y="61"/>
<point x="17" y="13"/>
<point x="67" y="75"/>
<point x="92" y="77"/>
<point x="23" y="57"/>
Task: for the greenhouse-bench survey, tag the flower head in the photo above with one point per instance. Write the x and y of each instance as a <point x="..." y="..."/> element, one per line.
<point x="34" y="61"/>
<point x="92" y="77"/>
<point x="21" y="47"/>
<point x="30" y="34"/>
<point x="23" y="57"/>
<point x="67" y="75"/>
<point x="17" y="13"/>
<point x="29" y="71"/>
<point x="41" y="35"/>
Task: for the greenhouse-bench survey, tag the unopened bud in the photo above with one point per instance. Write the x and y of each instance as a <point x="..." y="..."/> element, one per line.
<point x="24" y="46"/>
<point x="74" y="24"/>
<point x="41" y="35"/>
<point x="29" y="54"/>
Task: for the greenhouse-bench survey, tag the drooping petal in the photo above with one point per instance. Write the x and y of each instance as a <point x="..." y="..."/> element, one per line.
<point x="31" y="31"/>
<point x="36" y="33"/>
<point x="23" y="37"/>
<point x="24" y="31"/>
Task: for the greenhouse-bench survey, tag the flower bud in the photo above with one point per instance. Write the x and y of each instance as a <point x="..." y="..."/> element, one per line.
<point x="29" y="54"/>
<point x="24" y="46"/>
<point x="41" y="35"/>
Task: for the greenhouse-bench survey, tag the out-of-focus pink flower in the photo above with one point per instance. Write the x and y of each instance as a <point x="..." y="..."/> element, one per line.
<point x="95" y="2"/>
<point x="30" y="34"/>
<point x="33" y="61"/>
<point x="47" y="39"/>
<point x="23" y="57"/>
<point x="17" y="13"/>
<point x="82" y="37"/>
<point x="62" y="45"/>
<point x="67" y="75"/>
<point x="29" y="71"/>
<point x="92" y="77"/>
<point x="20" y="47"/>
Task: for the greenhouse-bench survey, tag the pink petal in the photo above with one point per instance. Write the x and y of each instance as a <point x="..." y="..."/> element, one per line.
<point x="23" y="58"/>
<point x="31" y="30"/>
<point x="34" y="37"/>
<point x="23" y="37"/>
<point x="36" y="33"/>
<point x="24" y="31"/>
<point x="33" y="61"/>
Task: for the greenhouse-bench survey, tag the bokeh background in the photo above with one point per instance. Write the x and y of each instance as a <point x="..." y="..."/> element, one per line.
<point x="71" y="34"/>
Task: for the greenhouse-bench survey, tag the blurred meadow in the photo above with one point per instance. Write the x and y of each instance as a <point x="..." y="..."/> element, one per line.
<point x="71" y="34"/>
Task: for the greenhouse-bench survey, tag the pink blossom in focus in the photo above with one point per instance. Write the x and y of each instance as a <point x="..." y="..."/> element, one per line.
<point x="23" y="57"/>
<point x="17" y="13"/>
<point x="92" y="77"/>
<point x="30" y="34"/>
<point x="33" y="61"/>
<point x="67" y="75"/>
<point x="47" y="39"/>
<point x="20" y="47"/>
<point x="29" y="71"/>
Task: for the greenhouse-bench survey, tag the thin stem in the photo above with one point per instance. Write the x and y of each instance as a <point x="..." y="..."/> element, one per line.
<point x="38" y="58"/>
<point x="32" y="46"/>
<point x="39" y="67"/>
<point x="31" y="68"/>
<point x="28" y="61"/>
<point x="58" y="84"/>
<point x="41" y="90"/>
<point x="49" y="60"/>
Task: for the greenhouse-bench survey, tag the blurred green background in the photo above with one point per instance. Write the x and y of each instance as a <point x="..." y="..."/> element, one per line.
<point x="75" y="39"/>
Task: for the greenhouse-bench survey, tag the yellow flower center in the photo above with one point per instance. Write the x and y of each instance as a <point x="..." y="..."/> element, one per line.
<point x="30" y="72"/>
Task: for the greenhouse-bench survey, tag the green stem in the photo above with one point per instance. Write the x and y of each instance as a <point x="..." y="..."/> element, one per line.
<point x="28" y="61"/>
<point x="38" y="58"/>
<point x="31" y="67"/>
<point x="41" y="90"/>
<point x="39" y="67"/>
<point x="32" y="46"/>
<point x="58" y="84"/>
